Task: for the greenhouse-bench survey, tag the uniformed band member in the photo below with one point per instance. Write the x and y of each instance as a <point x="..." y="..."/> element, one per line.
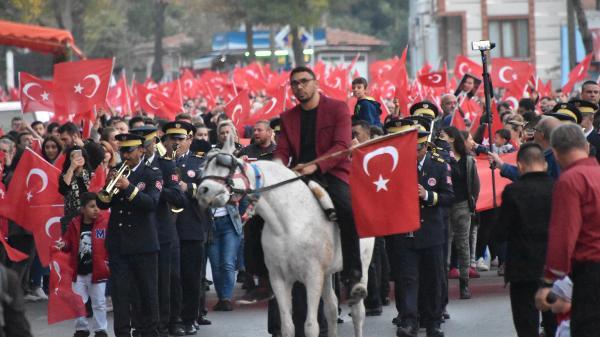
<point x="566" y="112"/>
<point x="192" y="223"/>
<point x="132" y="240"/>
<point x="171" y="202"/>
<point x="419" y="269"/>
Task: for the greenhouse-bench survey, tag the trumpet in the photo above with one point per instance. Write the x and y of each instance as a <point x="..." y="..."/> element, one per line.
<point x="110" y="190"/>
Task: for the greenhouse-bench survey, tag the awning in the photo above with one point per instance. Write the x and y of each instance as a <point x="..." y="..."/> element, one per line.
<point x="37" y="38"/>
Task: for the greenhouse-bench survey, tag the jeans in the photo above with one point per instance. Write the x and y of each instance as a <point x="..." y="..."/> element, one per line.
<point x="84" y="287"/>
<point x="460" y="224"/>
<point x="223" y="254"/>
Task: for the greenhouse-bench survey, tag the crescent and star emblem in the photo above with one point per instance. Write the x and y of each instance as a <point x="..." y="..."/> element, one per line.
<point x="153" y="106"/>
<point x="462" y="70"/>
<point x="96" y="80"/>
<point x="28" y="86"/>
<point x="236" y="109"/>
<point x="49" y="224"/>
<point x="503" y="71"/>
<point x="42" y="175"/>
<point x="435" y="78"/>
<point x="381" y="183"/>
<point x="56" y="268"/>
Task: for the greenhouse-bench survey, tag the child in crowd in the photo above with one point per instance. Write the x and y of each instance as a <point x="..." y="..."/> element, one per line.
<point x="84" y="240"/>
<point x="502" y="142"/>
<point x="563" y="290"/>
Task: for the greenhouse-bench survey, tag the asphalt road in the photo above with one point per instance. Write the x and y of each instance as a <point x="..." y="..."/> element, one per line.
<point x="487" y="314"/>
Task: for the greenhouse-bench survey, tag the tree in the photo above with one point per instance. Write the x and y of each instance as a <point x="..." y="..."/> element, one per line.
<point x="583" y="26"/>
<point x="159" y="33"/>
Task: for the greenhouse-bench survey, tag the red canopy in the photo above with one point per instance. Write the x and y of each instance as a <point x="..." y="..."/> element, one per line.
<point x="42" y="39"/>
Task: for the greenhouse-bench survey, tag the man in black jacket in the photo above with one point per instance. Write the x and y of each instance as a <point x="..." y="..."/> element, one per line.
<point x="523" y="223"/>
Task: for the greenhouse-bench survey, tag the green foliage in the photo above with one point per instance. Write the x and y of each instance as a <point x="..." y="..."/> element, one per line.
<point x="105" y="29"/>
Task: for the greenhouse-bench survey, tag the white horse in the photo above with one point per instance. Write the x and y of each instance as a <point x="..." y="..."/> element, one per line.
<point x="300" y="243"/>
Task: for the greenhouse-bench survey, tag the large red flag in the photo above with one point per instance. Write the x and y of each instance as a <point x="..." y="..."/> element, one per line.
<point x="458" y="121"/>
<point x="154" y="102"/>
<point x="273" y="108"/>
<point x="507" y="72"/>
<point x="464" y="65"/>
<point x="98" y="179"/>
<point x="63" y="303"/>
<point x="33" y="201"/>
<point x="35" y="94"/>
<point x="578" y="73"/>
<point x="384" y="176"/>
<point x="485" y="200"/>
<point x="80" y="85"/>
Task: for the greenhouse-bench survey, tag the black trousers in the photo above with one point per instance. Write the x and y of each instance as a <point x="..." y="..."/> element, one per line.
<point x="202" y="311"/>
<point x="26" y="244"/>
<point x="526" y="317"/>
<point x="253" y="251"/>
<point x="175" y="297"/>
<point x="419" y="274"/>
<point x="385" y="271"/>
<point x="128" y="272"/>
<point x="192" y="258"/>
<point x="585" y="310"/>
<point x="339" y="191"/>
<point x="164" y="286"/>
<point x="298" y="313"/>
<point x="373" y="300"/>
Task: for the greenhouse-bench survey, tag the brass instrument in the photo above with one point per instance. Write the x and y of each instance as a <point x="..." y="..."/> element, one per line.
<point x="109" y="191"/>
<point x="161" y="149"/>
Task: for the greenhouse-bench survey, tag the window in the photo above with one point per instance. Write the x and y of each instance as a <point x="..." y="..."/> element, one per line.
<point x="511" y="37"/>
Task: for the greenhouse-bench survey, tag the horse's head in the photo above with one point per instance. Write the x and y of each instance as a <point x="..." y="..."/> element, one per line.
<point x="217" y="180"/>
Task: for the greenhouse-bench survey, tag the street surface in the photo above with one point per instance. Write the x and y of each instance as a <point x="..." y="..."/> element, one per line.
<point x="487" y="314"/>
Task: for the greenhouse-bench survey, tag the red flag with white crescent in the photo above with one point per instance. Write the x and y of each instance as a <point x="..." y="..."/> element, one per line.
<point x="506" y="73"/>
<point x="35" y="94"/>
<point x="384" y="176"/>
<point x="33" y="201"/>
<point x="81" y="85"/>
<point x="578" y="73"/>
<point x="435" y="79"/>
<point x="154" y="102"/>
<point x="464" y="65"/>
<point x="485" y="200"/>
<point x="238" y="109"/>
<point x="63" y="303"/>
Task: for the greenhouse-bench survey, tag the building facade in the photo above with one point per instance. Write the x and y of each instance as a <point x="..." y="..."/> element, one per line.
<point x="526" y="30"/>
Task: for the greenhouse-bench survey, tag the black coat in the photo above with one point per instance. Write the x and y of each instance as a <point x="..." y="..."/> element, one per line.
<point x="434" y="177"/>
<point x="594" y="140"/>
<point x="523" y="223"/>
<point x="193" y="223"/>
<point x="171" y="196"/>
<point x="132" y="223"/>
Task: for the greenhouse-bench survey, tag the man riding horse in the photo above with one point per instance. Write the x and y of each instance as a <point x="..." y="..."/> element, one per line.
<point x="316" y="127"/>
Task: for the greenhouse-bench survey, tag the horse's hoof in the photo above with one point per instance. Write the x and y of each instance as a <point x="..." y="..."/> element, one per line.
<point x="358" y="292"/>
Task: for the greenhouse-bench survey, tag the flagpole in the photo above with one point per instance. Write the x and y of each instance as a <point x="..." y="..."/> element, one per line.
<point x="349" y="150"/>
<point x="487" y="89"/>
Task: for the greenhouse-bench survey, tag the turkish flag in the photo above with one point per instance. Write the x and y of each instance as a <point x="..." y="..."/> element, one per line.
<point x="435" y="79"/>
<point x="485" y="200"/>
<point x="506" y="72"/>
<point x="81" y="85"/>
<point x="378" y="68"/>
<point x="578" y="73"/>
<point x="154" y="102"/>
<point x="119" y="98"/>
<point x="238" y="109"/>
<point x="458" y="120"/>
<point x="35" y="94"/>
<point x="63" y="303"/>
<point x="384" y="177"/>
<point x="98" y="180"/>
<point x="188" y="84"/>
<point x="464" y="65"/>
<point x="33" y="201"/>
<point x="273" y="108"/>
<point x="13" y="254"/>
<point x="60" y="161"/>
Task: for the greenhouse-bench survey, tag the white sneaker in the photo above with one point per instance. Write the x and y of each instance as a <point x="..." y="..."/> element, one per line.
<point x="481" y="265"/>
<point x="31" y="298"/>
<point x="39" y="292"/>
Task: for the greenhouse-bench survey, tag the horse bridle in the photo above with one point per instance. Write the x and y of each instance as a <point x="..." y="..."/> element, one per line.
<point x="230" y="162"/>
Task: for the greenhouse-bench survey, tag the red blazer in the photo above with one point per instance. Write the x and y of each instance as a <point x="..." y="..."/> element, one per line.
<point x="334" y="133"/>
<point x="100" y="271"/>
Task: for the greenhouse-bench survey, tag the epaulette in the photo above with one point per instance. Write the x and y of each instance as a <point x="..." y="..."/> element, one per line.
<point x="440" y="159"/>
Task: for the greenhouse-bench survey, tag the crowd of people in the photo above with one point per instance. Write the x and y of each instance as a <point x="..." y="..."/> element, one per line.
<point x="149" y="263"/>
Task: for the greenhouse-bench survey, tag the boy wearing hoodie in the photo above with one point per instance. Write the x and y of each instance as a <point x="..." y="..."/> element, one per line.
<point x="84" y="241"/>
<point x="366" y="109"/>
